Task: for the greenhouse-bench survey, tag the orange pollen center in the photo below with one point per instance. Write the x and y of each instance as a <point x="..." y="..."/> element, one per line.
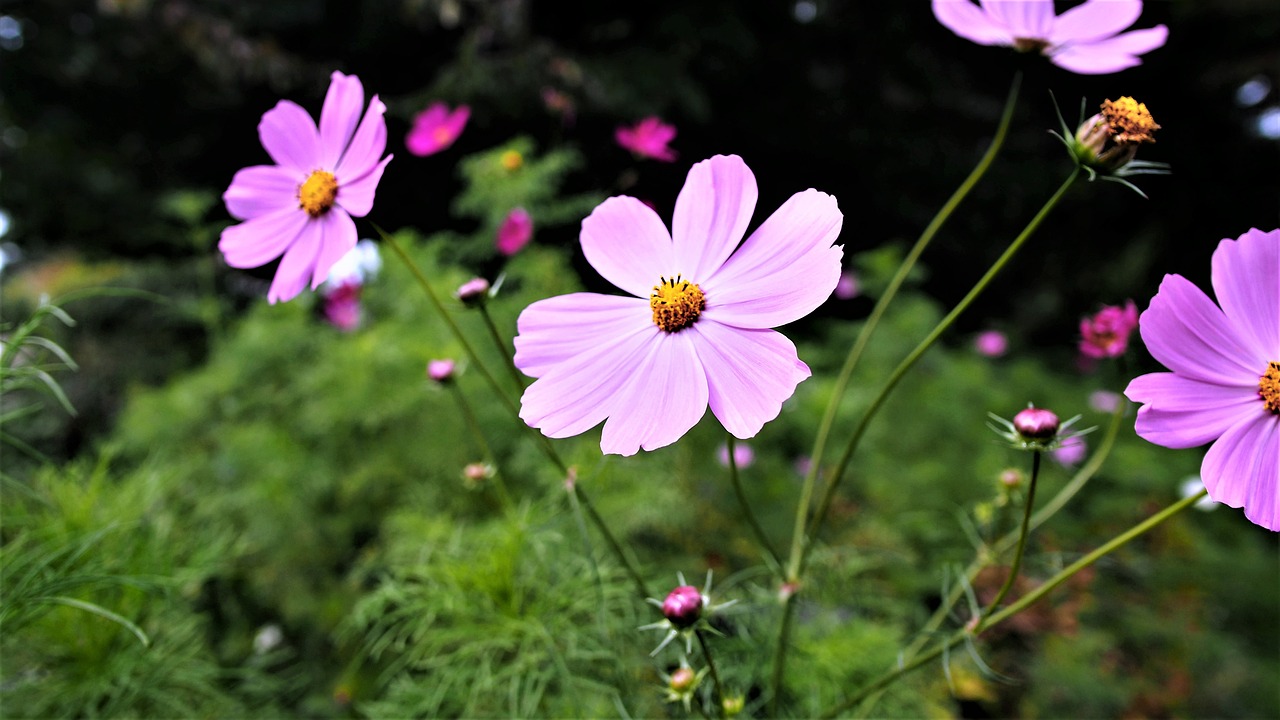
<point x="442" y="134"/>
<point x="318" y="193"/>
<point x="1130" y="121"/>
<point x="1269" y="388"/>
<point x="676" y="304"/>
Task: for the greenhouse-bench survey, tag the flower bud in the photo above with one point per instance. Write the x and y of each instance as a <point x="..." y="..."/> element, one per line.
<point x="1109" y="140"/>
<point x="476" y="473"/>
<point x="683" y="606"/>
<point x="682" y="680"/>
<point x="733" y="705"/>
<point x="1011" y="478"/>
<point x="1036" y="424"/>
<point x="473" y="292"/>
<point x="441" y="371"/>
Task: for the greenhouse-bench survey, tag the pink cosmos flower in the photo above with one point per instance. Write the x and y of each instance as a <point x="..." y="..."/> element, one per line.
<point x="301" y="207"/>
<point x="1225" y="384"/>
<point x="1085" y="39"/>
<point x="1106" y="334"/>
<point x="435" y="128"/>
<point x="648" y="138"/>
<point x="696" y="331"/>
<point x="991" y="343"/>
<point x="515" y="232"/>
<point x="342" y="306"/>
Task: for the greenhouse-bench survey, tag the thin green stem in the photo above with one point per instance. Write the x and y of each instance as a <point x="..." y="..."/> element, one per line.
<point x="499" y="343"/>
<point x="581" y="498"/>
<point x="500" y="486"/>
<point x="775" y="562"/>
<point x="1022" y="536"/>
<point x="882" y="304"/>
<point x="1018" y="606"/>
<point x="718" y="693"/>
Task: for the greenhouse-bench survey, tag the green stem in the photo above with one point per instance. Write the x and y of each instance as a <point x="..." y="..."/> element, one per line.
<point x="1021" y="604"/>
<point x="581" y="498"/>
<point x="499" y="485"/>
<point x="775" y="562"/>
<point x="717" y="694"/>
<point x="882" y="304"/>
<point x="1022" y="536"/>
<point x="502" y="348"/>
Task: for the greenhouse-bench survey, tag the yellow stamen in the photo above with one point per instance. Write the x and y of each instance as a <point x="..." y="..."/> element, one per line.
<point x="511" y="160"/>
<point x="1269" y="388"/>
<point x="1130" y="121"/>
<point x="676" y="303"/>
<point x="318" y="193"/>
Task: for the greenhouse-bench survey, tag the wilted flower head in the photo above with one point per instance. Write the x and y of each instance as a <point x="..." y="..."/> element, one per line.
<point x="435" y="128"/>
<point x="695" y="331"/>
<point x="441" y="371"/>
<point x="648" y="138"/>
<point x="1108" y="141"/>
<point x="473" y="292"/>
<point x="1085" y="39"/>
<point x="515" y="232"/>
<point x="1224" y="386"/>
<point x="300" y="209"/>
<point x="991" y="343"/>
<point x="1106" y="334"/>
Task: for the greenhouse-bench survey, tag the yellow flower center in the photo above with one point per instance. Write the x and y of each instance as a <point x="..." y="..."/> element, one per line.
<point x="1269" y="388"/>
<point x="1130" y="121"/>
<point x="676" y="304"/>
<point x="442" y="134"/>
<point x="511" y="160"/>
<point x="317" y="194"/>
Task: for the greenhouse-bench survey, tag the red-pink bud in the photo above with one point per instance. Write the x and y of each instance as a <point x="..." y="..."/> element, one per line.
<point x="440" y="370"/>
<point x="1036" y="424"/>
<point x="473" y="292"/>
<point x="683" y="606"/>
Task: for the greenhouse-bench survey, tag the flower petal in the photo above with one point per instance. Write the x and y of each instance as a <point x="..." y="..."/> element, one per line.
<point x="971" y="22"/>
<point x="261" y="190"/>
<point x="552" y="331"/>
<point x="1242" y="469"/>
<point x="580" y="393"/>
<point x="289" y="135"/>
<point x="711" y="215"/>
<point x="785" y="270"/>
<point x="1175" y="393"/>
<point x="1029" y="19"/>
<point x="1094" y="20"/>
<point x="1188" y="334"/>
<point x="626" y="242"/>
<point x="750" y="372"/>
<point x="356" y="197"/>
<point x="1246" y="281"/>
<point x="338" y="236"/>
<point x="665" y="396"/>
<point x="339" y="116"/>
<point x="256" y="242"/>
<point x="1109" y="55"/>
<point x="296" y="265"/>
<point x="366" y="147"/>
<point x="1177" y="429"/>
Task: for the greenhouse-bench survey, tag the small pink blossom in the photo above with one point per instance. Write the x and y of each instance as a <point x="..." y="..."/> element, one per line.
<point x="1086" y="39"/>
<point x="342" y="306"/>
<point x="435" y="128"/>
<point x="1224" y="386"/>
<point x="300" y="209"/>
<point x="848" y="287"/>
<point x="648" y="138"/>
<point x="441" y="371"/>
<point x="1106" y="334"/>
<point x="1071" y="452"/>
<point x="515" y="232"/>
<point x="473" y="292"/>
<point x="743" y="455"/>
<point x="991" y="343"/>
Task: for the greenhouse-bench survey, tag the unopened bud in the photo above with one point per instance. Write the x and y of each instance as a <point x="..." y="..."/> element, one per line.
<point x="682" y="680"/>
<point x="733" y="705"/>
<point x="683" y="606"/>
<point x="511" y="160"/>
<point x="473" y="292"/>
<point x="441" y="371"/>
<point x="1011" y="478"/>
<point x="1036" y="424"/>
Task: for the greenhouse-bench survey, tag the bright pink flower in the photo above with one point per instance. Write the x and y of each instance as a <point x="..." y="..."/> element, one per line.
<point x="1225" y="384"/>
<point x="1085" y="39"/>
<point x="342" y="306"/>
<point x="648" y="138"/>
<point x="435" y="128"/>
<point x="301" y="207"/>
<point x="515" y="232"/>
<point x="1106" y="334"/>
<point x="697" y="329"/>
<point x="991" y="343"/>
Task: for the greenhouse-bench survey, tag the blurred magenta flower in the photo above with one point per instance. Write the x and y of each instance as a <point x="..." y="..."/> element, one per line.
<point x="1106" y="334"/>
<point x="1225" y="384"/>
<point x="743" y="455"/>
<point x="1086" y="39"/>
<point x="1105" y="401"/>
<point x="1071" y="452"/>
<point x="696" y="330"/>
<point x="515" y="232"/>
<point x="847" y="288"/>
<point x="342" y="306"/>
<point x="648" y="138"/>
<point x="435" y="128"/>
<point x="991" y="343"/>
<point x="441" y="371"/>
<point x="301" y="207"/>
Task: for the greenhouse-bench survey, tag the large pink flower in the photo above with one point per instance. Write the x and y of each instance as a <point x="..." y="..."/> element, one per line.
<point x="1225" y="384"/>
<point x="696" y="331"/>
<point x="1085" y="39"/>
<point x="301" y="207"/>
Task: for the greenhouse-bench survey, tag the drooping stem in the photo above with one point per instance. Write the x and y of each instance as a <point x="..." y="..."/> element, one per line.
<point x="775" y="562"/>
<point x="1022" y="537"/>
<point x="1019" y="605"/>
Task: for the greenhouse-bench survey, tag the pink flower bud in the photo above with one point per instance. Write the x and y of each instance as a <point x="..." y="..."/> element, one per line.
<point x="682" y="680"/>
<point x="473" y="292"/>
<point x="440" y="370"/>
<point x="683" y="606"/>
<point x="991" y="343"/>
<point x="515" y="232"/>
<point x="1011" y="477"/>
<point x="1036" y="424"/>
